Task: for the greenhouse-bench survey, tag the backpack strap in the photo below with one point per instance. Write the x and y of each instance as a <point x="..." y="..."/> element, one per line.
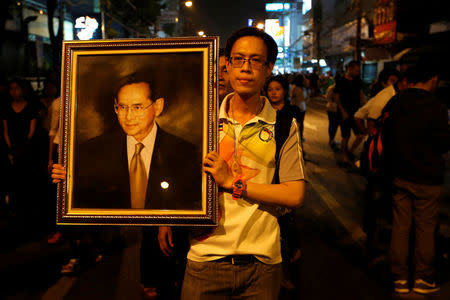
<point x="282" y="129"/>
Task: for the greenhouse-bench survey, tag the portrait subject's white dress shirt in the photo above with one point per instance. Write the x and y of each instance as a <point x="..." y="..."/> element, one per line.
<point x="147" y="151"/>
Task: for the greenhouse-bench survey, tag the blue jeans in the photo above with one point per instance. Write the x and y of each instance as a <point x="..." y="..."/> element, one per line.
<point x="222" y="280"/>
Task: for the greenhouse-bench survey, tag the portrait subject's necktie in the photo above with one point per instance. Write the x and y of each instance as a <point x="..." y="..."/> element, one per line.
<point x="138" y="179"/>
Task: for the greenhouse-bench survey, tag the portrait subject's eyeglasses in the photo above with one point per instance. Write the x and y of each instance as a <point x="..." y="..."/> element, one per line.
<point x="137" y="109"/>
<point x="254" y="62"/>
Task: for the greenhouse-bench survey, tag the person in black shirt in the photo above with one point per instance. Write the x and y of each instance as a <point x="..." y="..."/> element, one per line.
<point x="277" y="88"/>
<point x="349" y="97"/>
<point x="420" y="135"/>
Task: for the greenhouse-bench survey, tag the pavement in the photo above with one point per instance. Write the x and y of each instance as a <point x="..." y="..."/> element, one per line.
<point x="333" y="264"/>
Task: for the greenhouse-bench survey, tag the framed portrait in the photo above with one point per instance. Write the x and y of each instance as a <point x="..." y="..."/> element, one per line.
<point x="137" y="118"/>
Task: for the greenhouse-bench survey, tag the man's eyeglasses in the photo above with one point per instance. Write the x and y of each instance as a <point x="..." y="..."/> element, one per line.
<point x="137" y="109"/>
<point x="254" y="62"/>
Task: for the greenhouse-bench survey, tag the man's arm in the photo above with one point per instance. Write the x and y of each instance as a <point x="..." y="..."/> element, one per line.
<point x="288" y="194"/>
<point x="5" y="134"/>
<point x="51" y="150"/>
<point x="362" y="97"/>
<point x="32" y="128"/>
<point x="337" y="99"/>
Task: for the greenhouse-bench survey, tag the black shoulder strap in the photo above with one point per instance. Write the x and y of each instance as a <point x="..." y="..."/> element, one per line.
<point x="282" y="128"/>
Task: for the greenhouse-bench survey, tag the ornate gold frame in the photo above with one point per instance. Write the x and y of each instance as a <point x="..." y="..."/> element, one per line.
<point x="207" y="48"/>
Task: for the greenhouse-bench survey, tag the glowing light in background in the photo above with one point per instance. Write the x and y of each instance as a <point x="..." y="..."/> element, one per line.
<point x="87" y="26"/>
<point x="165" y="185"/>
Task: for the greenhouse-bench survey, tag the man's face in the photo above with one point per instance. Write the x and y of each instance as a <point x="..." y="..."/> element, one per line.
<point x="224" y="79"/>
<point x="135" y="111"/>
<point x="402" y="84"/>
<point x="248" y="80"/>
<point x="354" y="71"/>
<point x="393" y="79"/>
<point x="15" y="91"/>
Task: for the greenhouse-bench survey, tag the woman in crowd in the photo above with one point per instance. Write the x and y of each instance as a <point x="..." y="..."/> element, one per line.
<point x="277" y="91"/>
<point x="19" y="127"/>
<point x="298" y="99"/>
<point x="333" y="114"/>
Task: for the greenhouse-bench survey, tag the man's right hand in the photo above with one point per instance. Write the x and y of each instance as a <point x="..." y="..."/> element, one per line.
<point x="58" y="173"/>
<point x="165" y="240"/>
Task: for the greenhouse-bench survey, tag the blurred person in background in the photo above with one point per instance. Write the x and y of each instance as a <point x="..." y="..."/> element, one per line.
<point x="4" y="163"/>
<point x="333" y="114"/>
<point x="298" y="99"/>
<point x="388" y="76"/>
<point x="378" y="193"/>
<point x="349" y="97"/>
<point x="277" y="88"/>
<point x="19" y="126"/>
<point x="314" y="84"/>
<point x="224" y="81"/>
<point x="420" y="136"/>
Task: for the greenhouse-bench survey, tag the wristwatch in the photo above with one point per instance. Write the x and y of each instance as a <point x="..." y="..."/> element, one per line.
<point x="239" y="186"/>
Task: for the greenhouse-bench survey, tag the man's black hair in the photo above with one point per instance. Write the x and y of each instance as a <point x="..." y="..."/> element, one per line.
<point x="299" y="81"/>
<point x="352" y="64"/>
<point x="388" y="72"/>
<point x="272" y="48"/>
<point x="133" y="79"/>
<point x="421" y="72"/>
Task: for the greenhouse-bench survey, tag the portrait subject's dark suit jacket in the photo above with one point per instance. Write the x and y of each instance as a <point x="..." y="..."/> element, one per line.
<point x="102" y="178"/>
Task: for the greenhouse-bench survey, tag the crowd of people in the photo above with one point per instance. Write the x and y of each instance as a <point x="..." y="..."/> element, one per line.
<point x="263" y="246"/>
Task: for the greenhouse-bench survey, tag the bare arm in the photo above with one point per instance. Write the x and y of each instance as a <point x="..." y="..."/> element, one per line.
<point x="337" y="99"/>
<point x="361" y="125"/>
<point x="288" y="194"/>
<point x="362" y="98"/>
<point x="5" y="133"/>
<point x="51" y="149"/>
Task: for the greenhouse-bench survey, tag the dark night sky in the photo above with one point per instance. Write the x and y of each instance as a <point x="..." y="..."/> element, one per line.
<point x="223" y="17"/>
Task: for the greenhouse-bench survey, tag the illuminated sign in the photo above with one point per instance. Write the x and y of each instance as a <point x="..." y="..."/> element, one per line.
<point x="277" y="6"/>
<point x="384" y="21"/>
<point x="273" y="28"/>
<point x="385" y="33"/>
<point x="87" y="28"/>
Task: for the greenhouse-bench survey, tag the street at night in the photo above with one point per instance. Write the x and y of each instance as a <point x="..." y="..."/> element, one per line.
<point x="333" y="264"/>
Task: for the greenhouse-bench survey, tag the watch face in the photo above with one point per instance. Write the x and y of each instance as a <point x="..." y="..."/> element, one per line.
<point x="239" y="184"/>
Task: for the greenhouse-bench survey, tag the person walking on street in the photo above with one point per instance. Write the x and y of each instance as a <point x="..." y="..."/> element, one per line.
<point x="349" y="97"/>
<point x="420" y="136"/>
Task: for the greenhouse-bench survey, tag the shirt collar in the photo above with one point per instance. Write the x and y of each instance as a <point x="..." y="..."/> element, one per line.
<point x="148" y="141"/>
<point x="267" y="115"/>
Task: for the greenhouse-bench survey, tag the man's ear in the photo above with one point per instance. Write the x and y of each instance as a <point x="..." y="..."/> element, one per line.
<point x="227" y="64"/>
<point x="159" y="106"/>
<point x="269" y="69"/>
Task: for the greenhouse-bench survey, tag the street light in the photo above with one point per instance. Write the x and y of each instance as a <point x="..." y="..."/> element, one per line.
<point x="201" y="33"/>
<point x="260" y="26"/>
<point x="188" y="3"/>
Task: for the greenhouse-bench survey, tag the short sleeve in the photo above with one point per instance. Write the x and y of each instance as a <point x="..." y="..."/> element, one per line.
<point x="292" y="166"/>
<point x="54" y="121"/>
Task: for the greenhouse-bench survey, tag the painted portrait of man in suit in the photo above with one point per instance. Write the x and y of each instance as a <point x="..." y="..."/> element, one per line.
<point x="139" y="165"/>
